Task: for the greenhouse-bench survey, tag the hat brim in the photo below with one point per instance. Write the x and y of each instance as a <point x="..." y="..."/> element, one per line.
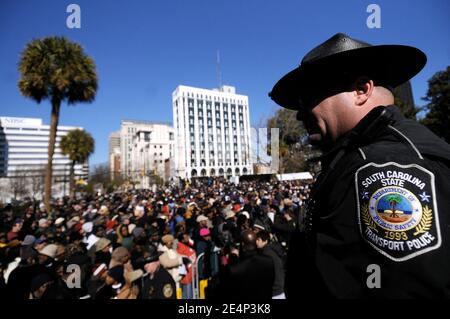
<point x="388" y="65"/>
<point x="154" y="257"/>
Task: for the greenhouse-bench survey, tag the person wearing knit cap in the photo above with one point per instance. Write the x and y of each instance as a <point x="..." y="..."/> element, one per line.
<point x="115" y="275"/>
<point x="139" y="234"/>
<point x="204" y="232"/>
<point x="258" y="225"/>
<point x="114" y="281"/>
<point x="43" y="223"/>
<point x="59" y="221"/>
<point x="89" y="238"/>
<point x="87" y="227"/>
<point x="28" y="240"/>
<point x="139" y="211"/>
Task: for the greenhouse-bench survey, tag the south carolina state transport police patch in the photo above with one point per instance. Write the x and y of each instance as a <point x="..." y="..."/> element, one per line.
<point x="397" y="211"/>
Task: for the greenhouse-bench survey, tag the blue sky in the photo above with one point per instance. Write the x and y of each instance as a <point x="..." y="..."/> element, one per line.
<point x="144" y="49"/>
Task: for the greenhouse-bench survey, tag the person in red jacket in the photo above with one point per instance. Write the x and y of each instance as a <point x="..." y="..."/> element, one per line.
<point x="186" y="250"/>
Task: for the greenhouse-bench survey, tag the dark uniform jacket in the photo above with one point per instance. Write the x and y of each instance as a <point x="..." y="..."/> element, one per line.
<point x="160" y="286"/>
<point x="378" y="222"/>
<point x="278" y="283"/>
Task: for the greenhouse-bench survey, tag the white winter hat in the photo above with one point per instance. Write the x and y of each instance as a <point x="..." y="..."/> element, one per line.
<point x="59" y="221"/>
<point x="49" y="250"/>
<point x="87" y="227"/>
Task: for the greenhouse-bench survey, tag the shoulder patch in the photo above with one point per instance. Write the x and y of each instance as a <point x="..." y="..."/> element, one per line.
<point x="167" y="290"/>
<point x="397" y="211"/>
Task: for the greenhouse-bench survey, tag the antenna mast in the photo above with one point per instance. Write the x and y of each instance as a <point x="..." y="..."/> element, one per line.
<point x="218" y="70"/>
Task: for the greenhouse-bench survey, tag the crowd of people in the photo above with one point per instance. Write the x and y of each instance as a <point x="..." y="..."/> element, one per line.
<point x="145" y="244"/>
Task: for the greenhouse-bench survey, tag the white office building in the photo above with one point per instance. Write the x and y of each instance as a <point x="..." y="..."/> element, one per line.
<point x="146" y="148"/>
<point x="24" y="147"/>
<point x="212" y="130"/>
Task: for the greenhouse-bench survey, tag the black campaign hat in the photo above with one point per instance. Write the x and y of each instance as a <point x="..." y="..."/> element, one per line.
<point x="387" y="65"/>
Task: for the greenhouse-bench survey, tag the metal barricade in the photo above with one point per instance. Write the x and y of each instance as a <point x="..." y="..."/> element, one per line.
<point x="196" y="278"/>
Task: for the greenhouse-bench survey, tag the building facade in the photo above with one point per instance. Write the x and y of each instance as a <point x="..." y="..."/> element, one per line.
<point x="212" y="130"/>
<point x="23" y="152"/>
<point x="145" y="147"/>
<point x="114" y="155"/>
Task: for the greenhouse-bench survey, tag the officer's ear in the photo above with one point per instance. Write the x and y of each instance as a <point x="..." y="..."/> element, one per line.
<point x="363" y="90"/>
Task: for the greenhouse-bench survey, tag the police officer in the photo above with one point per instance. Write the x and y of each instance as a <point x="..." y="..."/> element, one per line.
<point x="157" y="283"/>
<point x="377" y="223"/>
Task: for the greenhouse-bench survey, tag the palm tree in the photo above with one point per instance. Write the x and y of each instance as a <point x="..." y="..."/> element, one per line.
<point x="78" y="145"/>
<point x="394" y="200"/>
<point x="56" y="69"/>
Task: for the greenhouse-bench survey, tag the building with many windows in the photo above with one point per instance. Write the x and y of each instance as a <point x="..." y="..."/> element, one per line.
<point x="145" y="149"/>
<point x="24" y="149"/>
<point x="212" y="130"/>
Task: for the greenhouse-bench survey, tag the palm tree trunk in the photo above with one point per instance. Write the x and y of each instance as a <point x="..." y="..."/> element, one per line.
<point x="72" y="180"/>
<point x="56" y="103"/>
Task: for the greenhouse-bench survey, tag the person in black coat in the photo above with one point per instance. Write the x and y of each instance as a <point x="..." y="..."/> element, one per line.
<point x="251" y="278"/>
<point x="19" y="281"/>
<point x="263" y="244"/>
<point x="376" y="224"/>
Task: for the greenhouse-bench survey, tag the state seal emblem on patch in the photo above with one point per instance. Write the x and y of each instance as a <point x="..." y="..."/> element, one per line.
<point x="397" y="211"/>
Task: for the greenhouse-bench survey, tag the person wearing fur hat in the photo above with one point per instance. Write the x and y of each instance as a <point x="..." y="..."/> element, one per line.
<point x="170" y="259"/>
<point x="367" y="206"/>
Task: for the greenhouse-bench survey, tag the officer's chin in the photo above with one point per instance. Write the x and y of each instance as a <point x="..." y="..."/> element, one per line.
<point x="316" y="139"/>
